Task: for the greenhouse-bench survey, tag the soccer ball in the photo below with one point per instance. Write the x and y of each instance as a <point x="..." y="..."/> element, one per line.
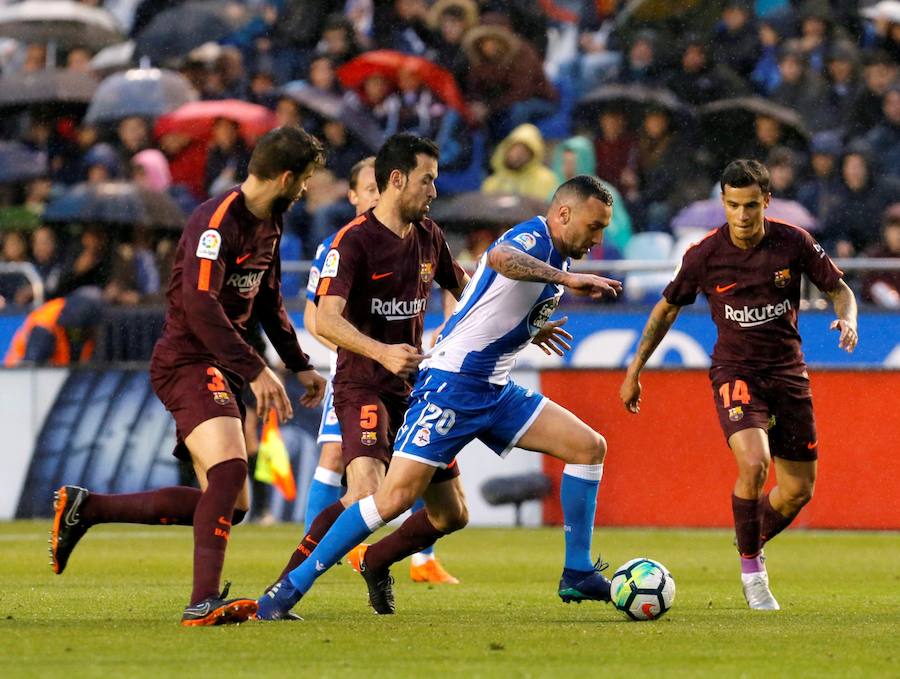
<point x="643" y="589"/>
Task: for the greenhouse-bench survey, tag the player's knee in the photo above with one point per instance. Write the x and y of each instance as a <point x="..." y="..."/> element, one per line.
<point x="755" y="471"/>
<point x="394" y="502"/>
<point x="593" y="451"/>
<point x="800" y="495"/>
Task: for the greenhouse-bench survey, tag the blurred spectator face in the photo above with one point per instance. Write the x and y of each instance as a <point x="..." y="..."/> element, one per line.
<point x="408" y="10"/>
<point x="408" y="80"/>
<point x="364" y="195"/>
<point x="39" y="132"/>
<point x="335" y="133"/>
<point x="336" y="41"/>
<point x="822" y="164"/>
<point x="224" y="133"/>
<point x="376" y="88"/>
<point x="93" y="239"/>
<point x="319" y="189"/>
<point x="891" y="107"/>
<point x="15" y="247"/>
<point x="734" y="18"/>
<point x="287" y="113"/>
<point x="612" y="124"/>
<point x="813" y="28"/>
<point x="693" y="59"/>
<point x="35" y="58"/>
<point x="640" y="55"/>
<point x="79" y="60"/>
<point x="452" y="27"/>
<point x="321" y="74"/>
<point x="841" y="71"/>
<point x="791" y="68"/>
<point x="38" y="190"/>
<point x="892" y="235"/>
<point x="133" y="133"/>
<point x="86" y="136"/>
<point x="517" y="156"/>
<point x="768" y="131"/>
<point x="231" y="64"/>
<point x="855" y="171"/>
<point x="879" y="77"/>
<point x="261" y="84"/>
<point x="569" y="164"/>
<point x="656" y="124"/>
<point x="98" y="174"/>
<point x="768" y="36"/>
<point x="490" y="48"/>
<point x="782" y="177"/>
<point x="43" y="245"/>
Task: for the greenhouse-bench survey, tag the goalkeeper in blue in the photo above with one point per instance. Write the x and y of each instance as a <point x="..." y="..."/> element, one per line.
<point x="463" y="392"/>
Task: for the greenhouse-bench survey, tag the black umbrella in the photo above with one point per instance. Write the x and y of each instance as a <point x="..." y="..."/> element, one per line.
<point x="62" y="22"/>
<point x="358" y="121"/>
<point x="51" y="86"/>
<point x="474" y="210"/>
<point x="635" y="100"/>
<point x="174" y="32"/>
<point x="18" y="163"/>
<point x="731" y="121"/>
<point x="121" y="203"/>
<point x="146" y="92"/>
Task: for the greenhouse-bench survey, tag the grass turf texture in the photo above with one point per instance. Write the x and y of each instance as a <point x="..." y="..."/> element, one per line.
<point x="116" y="609"/>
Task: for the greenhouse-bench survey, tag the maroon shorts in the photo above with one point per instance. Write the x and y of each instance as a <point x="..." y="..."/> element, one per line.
<point x="195" y="393"/>
<point x="780" y="405"/>
<point x="369" y="422"/>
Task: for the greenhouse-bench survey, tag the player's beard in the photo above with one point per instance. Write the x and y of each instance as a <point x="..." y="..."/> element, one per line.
<point x="281" y="204"/>
<point x="413" y="213"/>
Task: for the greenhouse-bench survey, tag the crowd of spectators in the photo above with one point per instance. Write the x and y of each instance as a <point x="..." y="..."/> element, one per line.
<point x="527" y="74"/>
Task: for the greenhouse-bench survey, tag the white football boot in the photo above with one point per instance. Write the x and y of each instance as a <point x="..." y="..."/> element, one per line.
<point x="757" y="593"/>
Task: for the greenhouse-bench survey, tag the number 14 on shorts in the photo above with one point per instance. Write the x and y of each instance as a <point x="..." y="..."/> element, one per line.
<point x="734" y="392"/>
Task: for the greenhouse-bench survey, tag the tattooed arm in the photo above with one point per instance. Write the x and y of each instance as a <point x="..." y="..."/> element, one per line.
<point x="661" y="319"/>
<point x="515" y="264"/>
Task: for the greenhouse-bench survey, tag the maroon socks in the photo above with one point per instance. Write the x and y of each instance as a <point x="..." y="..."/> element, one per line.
<point x="316" y="532"/>
<point x="416" y="533"/>
<point x="746" y="526"/>
<point x="211" y="527"/>
<point x="170" y="506"/>
<point x="771" y="521"/>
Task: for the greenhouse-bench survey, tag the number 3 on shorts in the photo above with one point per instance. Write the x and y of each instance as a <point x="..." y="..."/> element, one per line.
<point x="368" y="417"/>
<point x="216" y="382"/>
<point x="739" y="393"/>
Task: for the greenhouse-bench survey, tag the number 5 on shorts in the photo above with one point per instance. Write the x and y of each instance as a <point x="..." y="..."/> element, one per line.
<point x="740" y="392"/>
<point x="368" y="417"/>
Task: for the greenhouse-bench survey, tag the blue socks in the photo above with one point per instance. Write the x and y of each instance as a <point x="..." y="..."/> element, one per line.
<point x="578" y="493"/>
<point x="325" y="489"/>
<point x="353" y="525"/>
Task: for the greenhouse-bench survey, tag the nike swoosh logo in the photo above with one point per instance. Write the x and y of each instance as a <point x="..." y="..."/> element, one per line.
<point x="243" y="258"/>
<point x="379" y="276"/>
<point x="204" y="609"/>
<point x="813" y="444"/>
<point x="648" y="610"/>
<point x="724" y="288"/>
<point x="72" y="515"/>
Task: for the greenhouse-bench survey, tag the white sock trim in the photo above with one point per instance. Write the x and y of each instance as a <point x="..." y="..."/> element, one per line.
<point x="588" y="472"/>
<point x="328" y="477"/>
<point x="419" y="559"/>
<point x="370" y="514"/>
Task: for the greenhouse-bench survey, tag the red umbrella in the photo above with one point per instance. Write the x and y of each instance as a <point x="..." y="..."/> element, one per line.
<point x="196" y="119"/>
<point x="392" y="64"/>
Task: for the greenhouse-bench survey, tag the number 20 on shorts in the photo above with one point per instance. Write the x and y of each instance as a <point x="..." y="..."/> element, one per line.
<point x="734" y="393"/>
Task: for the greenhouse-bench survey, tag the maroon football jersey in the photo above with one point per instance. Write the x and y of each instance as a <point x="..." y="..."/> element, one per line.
<point x="754" y="294"/>
<point x="227" y="266"/>
<point x="386" y="281"/>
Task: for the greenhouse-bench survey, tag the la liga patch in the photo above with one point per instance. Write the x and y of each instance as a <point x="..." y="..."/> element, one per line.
<point x="209" y="244"/>
<point x="330" y="267"/>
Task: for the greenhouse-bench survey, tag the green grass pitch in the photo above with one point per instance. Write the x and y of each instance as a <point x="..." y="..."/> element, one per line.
<point x="115" y="611"/>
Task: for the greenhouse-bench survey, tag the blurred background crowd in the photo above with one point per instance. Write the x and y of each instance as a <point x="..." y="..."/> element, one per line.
<point x="117" y="118"/>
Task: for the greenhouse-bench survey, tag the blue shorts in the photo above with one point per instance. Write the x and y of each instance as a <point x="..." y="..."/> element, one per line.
<point x="329" y="427"/>
<point x="448" y="410"/>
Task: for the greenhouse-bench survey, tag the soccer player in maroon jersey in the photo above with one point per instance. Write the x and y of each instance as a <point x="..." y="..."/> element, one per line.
<point x="373" y="288"/>
<point x="749" y="269"/>
<point x="227" y="267"/>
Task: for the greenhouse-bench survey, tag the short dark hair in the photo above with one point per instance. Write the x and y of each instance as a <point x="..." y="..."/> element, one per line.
<point x="743" y="172"/>
<point x="585" y="186"/>
<point x="399" y="153"/>
<point x="368" y="161"/>
<point x="285" y="149"/>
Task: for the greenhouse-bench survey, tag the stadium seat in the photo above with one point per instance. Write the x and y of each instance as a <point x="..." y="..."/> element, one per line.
<point x="450" y="182"/>
<point x="645" y="286"/>
<point x="516" y="489"/>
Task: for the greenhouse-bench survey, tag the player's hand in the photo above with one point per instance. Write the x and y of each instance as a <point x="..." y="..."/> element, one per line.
<point x="400" y="359"/>
<point x="595" y="287"/>
<point x="630" y="393"/>
<point x="849" y="337"/>
<point x="270" y="393"/>
<point x="553" y="338"/>
<point x="314" y="384"/>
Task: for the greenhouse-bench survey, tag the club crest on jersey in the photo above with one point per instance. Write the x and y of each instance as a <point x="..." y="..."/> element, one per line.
<point x="526" y="240"/>
<point x="423" y="437"/>
<point x="369" y="438"/>
<point x="426" y="271"/>
<point x="330" y="267"/>
<point x="782" y="278"/>
<point x="221" y="397"/>
<point x="209" y="244"/>
<point x="736" y="414"/>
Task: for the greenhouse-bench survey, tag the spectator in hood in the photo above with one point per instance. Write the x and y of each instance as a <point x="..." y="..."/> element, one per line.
<point x="879" y="73"/>
<point x="518" y="166"/>
<point x="801" y="88"/>
<point x="699" y="80"/>
<point x="736" y="41"/>
<point x="884" y="138"/>
<point x="818" y="193"/>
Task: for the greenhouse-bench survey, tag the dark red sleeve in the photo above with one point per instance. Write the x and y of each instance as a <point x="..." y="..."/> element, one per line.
<point x="816" y="264"/>
<point x="343" y="264"/>
<point x="269" y="308"/>
<point x="683" y="289"/>
<point x="201" y="284"/>
<point x="449" y="274"/>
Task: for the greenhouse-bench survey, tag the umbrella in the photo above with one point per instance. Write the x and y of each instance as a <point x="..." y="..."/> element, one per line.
<point x="114" y="58"/>
<point x="196" y="119"/>
<point x="330" y="106"/>
<point x="48" y="86"/>
<point x="709" y="214"/>
<point x="146" y="92"/>
<point x="115" y="203"/>
<point x="391" y="65"/>
<point x="174" y="32"/>
<point x="635" y="99"/>
<point x="18" y="163"/>
<point x="62" y="22"/>
<point x="732" y="120"/>
<point x="475" y="210"/>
